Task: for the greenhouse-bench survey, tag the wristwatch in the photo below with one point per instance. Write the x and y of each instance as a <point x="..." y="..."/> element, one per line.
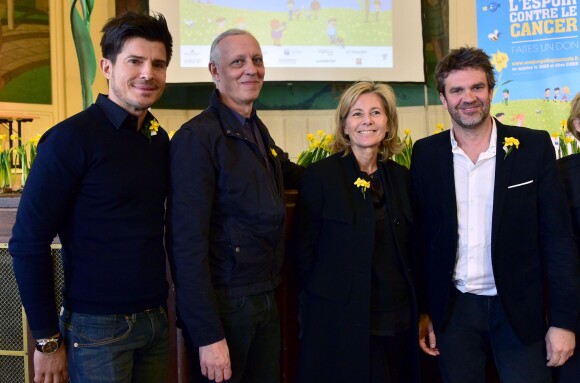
<point x="49" y="345"/>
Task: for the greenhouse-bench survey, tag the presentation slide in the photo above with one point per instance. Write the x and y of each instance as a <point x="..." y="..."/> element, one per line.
<point x="302" y="40"/>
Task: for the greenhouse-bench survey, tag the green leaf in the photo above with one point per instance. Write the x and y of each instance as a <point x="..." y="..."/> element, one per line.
<point x="84" y="48"/>
<point x="87" y="7"/>
<point x="306" y="159"/>
<point x="300" y="157"/>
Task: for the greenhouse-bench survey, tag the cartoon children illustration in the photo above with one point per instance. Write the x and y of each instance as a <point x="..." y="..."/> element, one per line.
<point x="435" y="26"/>
<point x="331" y="30"/>
<point x="296" y="14"/>
<point x="519" y="119"/>
<point x="506" y="96"/>
<point x="315" y="7"/>
<point x="276" y="29"/>
<point x="290" y="7"/>
<point x="556" y="93"/>
<point x="565" y="93"/>
<point x="547" y="94"/>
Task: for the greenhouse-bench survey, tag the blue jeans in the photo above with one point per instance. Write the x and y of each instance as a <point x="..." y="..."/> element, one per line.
<point x="120" y="348"/>
<point x="252" y="329"/>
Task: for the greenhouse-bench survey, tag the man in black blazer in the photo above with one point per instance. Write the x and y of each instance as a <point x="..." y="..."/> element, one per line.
<point x="493" y="227"/>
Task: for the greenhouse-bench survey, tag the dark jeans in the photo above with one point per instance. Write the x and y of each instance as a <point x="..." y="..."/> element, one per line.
<point x="478" y="326"/>
<point x="125" y="348"/>
<point x="252" y="328"/>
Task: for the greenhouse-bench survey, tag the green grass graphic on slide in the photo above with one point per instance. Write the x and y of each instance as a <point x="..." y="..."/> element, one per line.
<point x="537" y="113"/>
<point x="199" y="25"/>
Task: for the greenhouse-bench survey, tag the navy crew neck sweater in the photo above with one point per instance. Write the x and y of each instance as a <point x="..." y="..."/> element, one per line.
<point x="100" y="185"/>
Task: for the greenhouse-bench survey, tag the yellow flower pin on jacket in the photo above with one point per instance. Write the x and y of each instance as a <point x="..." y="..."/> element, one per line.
<point x="508" y="145"/>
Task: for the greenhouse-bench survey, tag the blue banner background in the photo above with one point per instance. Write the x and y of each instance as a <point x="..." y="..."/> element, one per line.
<point x="534" y="46"/>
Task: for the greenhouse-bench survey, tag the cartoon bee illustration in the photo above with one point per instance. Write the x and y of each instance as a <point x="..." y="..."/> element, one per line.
<point x="495" y="35"/>
<point x="492" y="7"/>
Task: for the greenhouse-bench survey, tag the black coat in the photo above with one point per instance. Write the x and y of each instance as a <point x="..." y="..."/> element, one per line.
<point x="570" y="173"/>
<point x="225" y="216"/>
<point x="332" y="246"/>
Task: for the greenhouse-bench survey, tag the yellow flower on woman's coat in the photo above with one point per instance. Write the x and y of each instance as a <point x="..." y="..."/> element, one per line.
<point x="363" y="185"/>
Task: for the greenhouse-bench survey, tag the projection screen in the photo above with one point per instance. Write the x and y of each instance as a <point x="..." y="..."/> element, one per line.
<point x="302" y="40"/>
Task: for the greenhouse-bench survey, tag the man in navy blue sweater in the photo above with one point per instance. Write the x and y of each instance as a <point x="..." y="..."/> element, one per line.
<point x="99" y="182"/>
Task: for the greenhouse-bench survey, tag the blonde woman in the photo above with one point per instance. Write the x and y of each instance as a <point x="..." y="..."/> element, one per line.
<point x="350" y="245"/>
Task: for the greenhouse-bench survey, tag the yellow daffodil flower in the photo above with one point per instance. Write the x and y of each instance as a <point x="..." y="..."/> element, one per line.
<point x="499" y="60"/>
<point x="509" y="141"/>
<point x="153" y="127"/>
<point x="363" y="185"/>
<point x="320" y="146"/>
<point x="34" y="140"/>
<point x="151" y="130"/>
<point x="508" y="145"/>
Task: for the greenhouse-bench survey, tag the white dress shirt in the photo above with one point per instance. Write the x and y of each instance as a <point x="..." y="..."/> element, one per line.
<point x="474" y="184"/>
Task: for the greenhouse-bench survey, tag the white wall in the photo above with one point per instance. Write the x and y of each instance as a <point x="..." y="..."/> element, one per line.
<point x="289" y="128"/>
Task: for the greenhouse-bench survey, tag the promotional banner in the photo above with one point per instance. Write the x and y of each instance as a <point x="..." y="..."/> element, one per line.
<point x="535" y="50"/>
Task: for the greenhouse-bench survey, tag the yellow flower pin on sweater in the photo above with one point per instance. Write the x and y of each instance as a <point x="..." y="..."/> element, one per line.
<point x="151" y="130"/>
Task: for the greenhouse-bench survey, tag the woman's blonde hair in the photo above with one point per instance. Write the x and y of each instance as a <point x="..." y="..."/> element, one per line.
<point x="574" y="113"/>
<point x="390" y="145"/>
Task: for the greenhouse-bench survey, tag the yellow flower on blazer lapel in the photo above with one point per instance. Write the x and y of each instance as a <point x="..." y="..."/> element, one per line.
<point x="508" y="145"/>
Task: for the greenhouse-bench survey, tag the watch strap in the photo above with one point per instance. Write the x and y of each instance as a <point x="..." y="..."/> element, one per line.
<point x="41" y="344"/>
